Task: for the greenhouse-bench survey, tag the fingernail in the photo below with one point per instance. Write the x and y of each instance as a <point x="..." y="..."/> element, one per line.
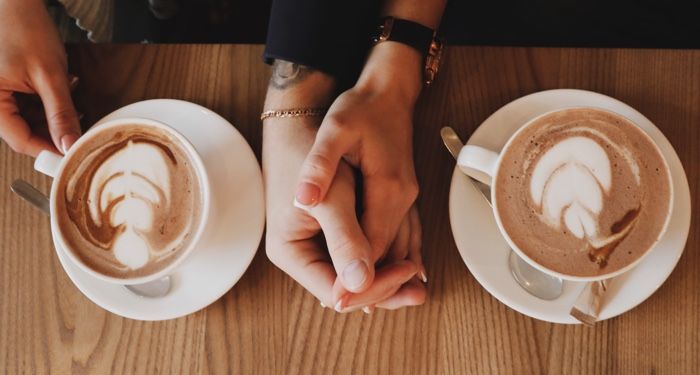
<point x="73" y="81"/>
<point x="308" y="194"/>
<point x="67" y="141"/>
<point x="297" y="204"/>
<point x="355" y="274"/>
<point x="423" y="276"/>
<point x="80" y="116"/>
<point x="322" y="304"/>
<point x="368" y="310"/>
<point x="341" y="304"/>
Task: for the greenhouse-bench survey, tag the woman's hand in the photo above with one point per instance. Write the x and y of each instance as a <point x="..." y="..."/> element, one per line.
<point x="33" y="61"/>
<point x="370" y="127"/>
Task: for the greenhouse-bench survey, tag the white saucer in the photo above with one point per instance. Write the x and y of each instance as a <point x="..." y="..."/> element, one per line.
<point x="485" y="252"/>
<point x="237" y="218"/>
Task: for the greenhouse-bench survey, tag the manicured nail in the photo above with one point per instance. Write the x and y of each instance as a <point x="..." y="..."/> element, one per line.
<point x="355" y="274"/>
<point x="297" y="204"/>
<point x="322" y="304"/>
<point x="342" y="303"/>
<point x="423" y="276"/>
<point x="67" y="141"/>
<point x="80" y="116"/>
<point x="308" y="194"/>
<point x="73" y="81"/>
<point x="368" y="310"/>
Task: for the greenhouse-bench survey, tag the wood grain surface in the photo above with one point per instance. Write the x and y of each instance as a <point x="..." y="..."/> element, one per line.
<point x="267" y="324"/>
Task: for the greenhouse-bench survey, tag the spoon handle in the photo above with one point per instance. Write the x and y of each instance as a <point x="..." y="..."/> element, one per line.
<point x="30" y="194"/>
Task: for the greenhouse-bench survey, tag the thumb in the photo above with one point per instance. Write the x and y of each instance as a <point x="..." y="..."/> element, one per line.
<point x="349" y="249"/>
<point x="321" y="163"/>
<point x="54" y="90"/>
<point x="347" y="245"/>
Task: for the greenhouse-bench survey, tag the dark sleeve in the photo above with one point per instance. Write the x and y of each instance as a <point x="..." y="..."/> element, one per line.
<point x="328" y="35"/>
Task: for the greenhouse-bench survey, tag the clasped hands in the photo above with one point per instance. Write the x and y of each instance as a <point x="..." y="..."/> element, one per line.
<point x="347" y="261"/>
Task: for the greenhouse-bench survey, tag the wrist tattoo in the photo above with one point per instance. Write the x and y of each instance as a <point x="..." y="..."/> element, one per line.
<point x="286" y="74"/>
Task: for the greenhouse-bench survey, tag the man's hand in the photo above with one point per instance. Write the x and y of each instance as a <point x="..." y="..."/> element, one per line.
<point x="33" y="61"/>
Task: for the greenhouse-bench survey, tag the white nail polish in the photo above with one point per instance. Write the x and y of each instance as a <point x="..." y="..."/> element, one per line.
<point x="339" y="306"/>
<point x="322" y="304"/>
<point x="304" y="207"/>
<point x="366" y="310"/>
<point x="64" y="144"/>
<point x="423" y="277"/>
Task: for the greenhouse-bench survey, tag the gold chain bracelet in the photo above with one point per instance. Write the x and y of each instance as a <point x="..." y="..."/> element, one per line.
<point x="295" y="112"/>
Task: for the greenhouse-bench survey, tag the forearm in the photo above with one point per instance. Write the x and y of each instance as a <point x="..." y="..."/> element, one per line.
<point x="286" y="141"/>
<point x="297" y="86"/>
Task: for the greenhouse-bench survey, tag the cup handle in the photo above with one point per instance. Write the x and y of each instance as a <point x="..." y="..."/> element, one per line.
<point x="478" y="163"/>
<point x="47" y="163"/>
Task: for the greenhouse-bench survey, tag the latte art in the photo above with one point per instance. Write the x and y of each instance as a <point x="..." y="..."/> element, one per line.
<point x="131" y="201"/>
<point x="576" y="194"/>
<point x="568" y="187"/>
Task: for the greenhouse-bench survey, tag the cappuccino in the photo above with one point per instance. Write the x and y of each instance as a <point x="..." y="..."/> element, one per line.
<point x="128" y="201"/>
<point x="583" y="192"/>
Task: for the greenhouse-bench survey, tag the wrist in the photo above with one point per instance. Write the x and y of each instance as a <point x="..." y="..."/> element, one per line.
<point x="393" y="69"/>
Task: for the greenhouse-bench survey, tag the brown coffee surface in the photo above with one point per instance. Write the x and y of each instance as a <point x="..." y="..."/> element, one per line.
<point x="129" y="200"/>
<point x="583" y="192"/>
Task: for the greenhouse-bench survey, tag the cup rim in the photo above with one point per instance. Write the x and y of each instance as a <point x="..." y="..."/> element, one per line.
<point x="549" y="271"/>
<point x="205" y="189"/>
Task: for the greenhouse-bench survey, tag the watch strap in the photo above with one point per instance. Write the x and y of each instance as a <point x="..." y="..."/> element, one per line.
<point x="406" y="32"/>
<point x="422" y="38"/>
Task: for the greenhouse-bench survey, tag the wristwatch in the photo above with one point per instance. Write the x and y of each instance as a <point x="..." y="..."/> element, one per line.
<point x="422" y="38"/>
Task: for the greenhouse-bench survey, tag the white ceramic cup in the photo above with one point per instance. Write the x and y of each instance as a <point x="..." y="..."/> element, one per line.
<point x="483" y="165"/>
<point x="53" y="165"/>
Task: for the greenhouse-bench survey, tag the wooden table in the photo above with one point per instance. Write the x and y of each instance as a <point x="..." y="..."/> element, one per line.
<point x="267" y="324"/>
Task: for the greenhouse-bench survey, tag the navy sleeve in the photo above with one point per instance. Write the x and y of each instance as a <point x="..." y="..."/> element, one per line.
<point x="328" y="35"/>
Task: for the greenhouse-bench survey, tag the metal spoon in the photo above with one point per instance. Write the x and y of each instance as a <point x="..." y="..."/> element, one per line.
<point x="534" y="281"/>
<point x="154" y="289"/>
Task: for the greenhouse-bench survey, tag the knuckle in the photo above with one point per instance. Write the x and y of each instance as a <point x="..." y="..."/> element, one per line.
<point x="339" y="125"/>
<point x="380" y="245"/>
<point x="63" y="117"/>
<point x="337" y="122"/>
<point x="318" y="164"/>
<point x="401" y="190"/>
<point x="341" y="243"/>
<point x="393" y="185"/>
